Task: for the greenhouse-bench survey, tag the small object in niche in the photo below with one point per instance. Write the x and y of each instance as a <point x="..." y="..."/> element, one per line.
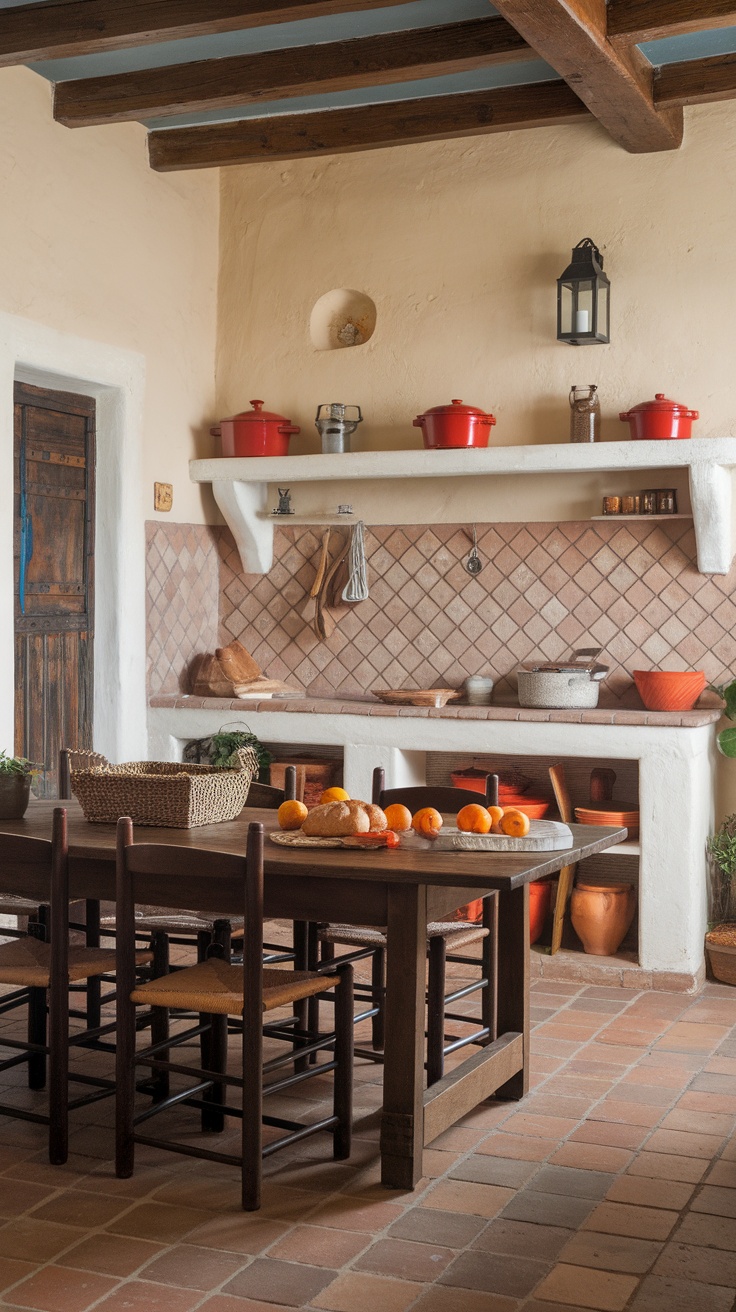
<point x="649" y="502"/>
<point x="629" y="505"/>
<point x="474" y="564"/>
<point x="163" y="496"/>
<point x="344" y="510"/>
<point x="585" y="413"/>
<point x="284" y="507"/>
<point x="666" y="501"/>
<point x="612" y="505"/>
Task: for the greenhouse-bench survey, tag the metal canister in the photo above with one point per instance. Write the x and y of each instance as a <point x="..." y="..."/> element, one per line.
<point x="667" y="501"/>
<point x="649" y="502"/>
<point x="611" y="505"/>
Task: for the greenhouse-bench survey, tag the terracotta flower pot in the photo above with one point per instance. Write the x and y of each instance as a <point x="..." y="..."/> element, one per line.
<point x="15" y="791"/>
<point x="601" y="916"/>
<point x="540" y="893"/>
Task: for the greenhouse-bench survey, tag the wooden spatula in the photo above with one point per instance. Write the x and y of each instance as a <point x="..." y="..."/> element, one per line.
<point x="324" y="623"/>
<point x="309" y="609"/>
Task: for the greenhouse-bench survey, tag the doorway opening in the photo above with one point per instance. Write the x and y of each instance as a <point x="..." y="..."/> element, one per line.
<point x="53" y="550"/>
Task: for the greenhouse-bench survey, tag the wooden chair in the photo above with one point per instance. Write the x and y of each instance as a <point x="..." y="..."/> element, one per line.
<point x="36" y="966"/>
<point x="216" y="989"/>
<point x="444" y="939"/>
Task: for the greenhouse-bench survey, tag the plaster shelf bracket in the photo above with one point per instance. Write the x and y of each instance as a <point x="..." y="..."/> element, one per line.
<point x="244" y="506"/>
<point x="711" y="497"/>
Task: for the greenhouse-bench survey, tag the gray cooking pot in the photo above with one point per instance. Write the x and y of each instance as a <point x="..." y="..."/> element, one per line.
<point x="572" y="684"/>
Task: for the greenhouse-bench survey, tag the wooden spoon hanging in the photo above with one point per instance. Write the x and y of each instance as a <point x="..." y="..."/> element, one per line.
<point x="309" y="610"/>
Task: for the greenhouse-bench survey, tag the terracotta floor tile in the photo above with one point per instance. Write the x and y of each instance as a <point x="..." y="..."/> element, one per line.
<point x="611" y="1252"/>
<point x="627" y="1219"/>
<point x="111" y="1255"/>
<point x="572" y="1182"/>
<point x="21" y="1197"/>
<point x="518" y="1146"/>
<point x="683" y="1144"/>
<point x="512" y="1276"/>
<point x="427" y="1225"/>
<point x="722" y="1173"/>
<point x="703" y="1228"/>
<point x="548" y="1209"/>
<point x="711" y="1266"/>
<point x="708" y="1102"/>
<point x="716" y="1201"/>
<point x="627" y="1113"/>
<point x="465" y="1196"/>
<point x="190" y="1267"/>
<point x="591" y="1157"/>
<point x="522" y="1238"/>
<point x="587" y="1288"/>
<point x="543" y="1127"/>
<point x="158" y="1221"/>
<point x="227" y="1303"/>
<point x="443" y="1299"/>
<point x="56" y="1289"/>
<point x="683" y="1118"/>
<point x="644" y="1192"/>
<point x="11" y="1272"/>
<point x="143" y="1296"/>
<point x="668" y="1166"/>
<point x="609" y="1055"/>
<point x="289" y="1283"/>
<point x="609" y="1133"/>
<point x="321" y="1246"/>
<point x="237" y="1233"/>
<point x="35" y="1241"/>
<point x="503" y="1171"/>
<point x="665" y="1294"/>
<point x="85" y="1210"/>
<point x="691" y="1038"/>
<point x="358" y="1292"/>
<point x="406" y="1260"/>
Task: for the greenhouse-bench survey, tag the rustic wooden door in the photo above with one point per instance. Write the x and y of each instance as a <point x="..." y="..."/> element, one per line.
<point x="53" y="552"/>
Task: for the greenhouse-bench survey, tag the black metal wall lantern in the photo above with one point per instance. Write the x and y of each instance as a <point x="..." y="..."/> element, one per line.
<point x="583" y="301"/>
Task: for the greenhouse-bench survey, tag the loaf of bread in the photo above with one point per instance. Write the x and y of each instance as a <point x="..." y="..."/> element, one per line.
<point x="343" y="819"/>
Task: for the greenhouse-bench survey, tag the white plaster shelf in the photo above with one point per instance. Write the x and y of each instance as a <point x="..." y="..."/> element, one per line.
<point x="240" y="485"/>
<point x="638" y="519"/>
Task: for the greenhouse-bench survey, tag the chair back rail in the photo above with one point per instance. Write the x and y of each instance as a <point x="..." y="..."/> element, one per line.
<point x="442" y="798"/>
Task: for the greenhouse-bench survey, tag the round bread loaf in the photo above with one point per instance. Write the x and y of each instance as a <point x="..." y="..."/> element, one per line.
<point x="337" y="820"/>
<point x="376" y="817"/>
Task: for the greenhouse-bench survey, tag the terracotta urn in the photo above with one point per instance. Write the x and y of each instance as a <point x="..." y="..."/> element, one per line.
<point x="601" y="916"/>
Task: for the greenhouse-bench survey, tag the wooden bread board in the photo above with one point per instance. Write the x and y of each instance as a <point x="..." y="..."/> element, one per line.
<point x="543" y="836"/>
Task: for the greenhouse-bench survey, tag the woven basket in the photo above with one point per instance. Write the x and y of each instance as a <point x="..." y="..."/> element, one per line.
<point x="167" y="794"/>
<point x="721" y="947"/>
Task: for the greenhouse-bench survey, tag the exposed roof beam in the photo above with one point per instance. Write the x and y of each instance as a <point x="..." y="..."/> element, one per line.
<point x="616" y="85"/>
<point x="365" y="127"/>
<point x="59" y="29"/>
<point x="648" y="20"/>
<point x="280" y="74"/>
<point x="697" y="81"/>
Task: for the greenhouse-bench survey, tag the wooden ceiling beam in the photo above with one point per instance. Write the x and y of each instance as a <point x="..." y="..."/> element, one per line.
<point x="650" y="20"/>
<point x="696" y="82"/>
<point x="364" y="127"/>
<point x="60" y="29"/>
<point x="615" y="84"/>
<point x="281" y="74"/>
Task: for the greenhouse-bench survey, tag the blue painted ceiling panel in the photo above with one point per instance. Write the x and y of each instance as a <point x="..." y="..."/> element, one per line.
<point x="693" y="45"/>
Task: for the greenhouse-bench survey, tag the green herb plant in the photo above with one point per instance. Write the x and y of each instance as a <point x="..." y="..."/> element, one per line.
<point x="225" y="743"/>
<point x="727" y="737"/>
<point x="722" y="853"/>
<point x="16" y="765"/>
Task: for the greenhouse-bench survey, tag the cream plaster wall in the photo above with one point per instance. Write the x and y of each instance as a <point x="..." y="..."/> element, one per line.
<point x="93" y="243"/>
<point x="459" y="244"/>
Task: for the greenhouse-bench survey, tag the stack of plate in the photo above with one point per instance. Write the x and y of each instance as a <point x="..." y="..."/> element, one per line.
<point x="606" y="813"/>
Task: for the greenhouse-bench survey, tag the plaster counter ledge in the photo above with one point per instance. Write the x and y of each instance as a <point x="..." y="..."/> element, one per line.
<point x="676" y="755"/>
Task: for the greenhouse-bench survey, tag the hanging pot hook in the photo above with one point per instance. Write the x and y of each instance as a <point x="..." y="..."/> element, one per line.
<point x="474" y="564"/>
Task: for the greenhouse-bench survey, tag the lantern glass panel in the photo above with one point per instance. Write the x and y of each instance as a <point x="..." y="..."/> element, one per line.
<point x="603" y="325"/>
<point x="584" y="308"/>
<point x="566" y="308"/>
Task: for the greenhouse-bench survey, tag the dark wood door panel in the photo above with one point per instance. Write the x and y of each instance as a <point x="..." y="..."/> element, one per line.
<point x="54" y="574"/>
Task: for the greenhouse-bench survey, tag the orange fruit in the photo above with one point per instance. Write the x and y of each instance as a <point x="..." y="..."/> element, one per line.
<point x="496" y="814"/>
<point x="514" y="823"/>
<point x="291" y="815"/>
<point x="474" y="819"/>
<point x="398" y="817"/>
<point x="334" y="795"/>
<point x="427" y="821"/>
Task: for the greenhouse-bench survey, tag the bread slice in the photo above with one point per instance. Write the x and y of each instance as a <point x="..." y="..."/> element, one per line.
<point x="237" y="663"/>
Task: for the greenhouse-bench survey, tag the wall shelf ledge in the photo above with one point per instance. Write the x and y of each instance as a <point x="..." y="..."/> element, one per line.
<point x="240" y="485"/>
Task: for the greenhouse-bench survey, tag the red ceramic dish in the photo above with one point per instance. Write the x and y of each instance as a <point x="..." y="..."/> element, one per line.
<point x="535" y="807"/>
<point x="659" y="420"/>
<point x="669" y="690"/>
<point x="455" y="425"/>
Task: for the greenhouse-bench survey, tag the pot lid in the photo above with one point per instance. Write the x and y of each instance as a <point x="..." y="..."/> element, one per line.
<point x="267" y="416"/>
<point x="660" y="404"/>
<point x="563" y="667"/>
<point x="456" y="408"/>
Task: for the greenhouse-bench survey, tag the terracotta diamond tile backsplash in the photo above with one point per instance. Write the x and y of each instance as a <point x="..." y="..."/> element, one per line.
<point x="632" y="589"/>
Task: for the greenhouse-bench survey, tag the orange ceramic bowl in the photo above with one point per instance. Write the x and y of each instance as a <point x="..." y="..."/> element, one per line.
<point x="669" y="690"/>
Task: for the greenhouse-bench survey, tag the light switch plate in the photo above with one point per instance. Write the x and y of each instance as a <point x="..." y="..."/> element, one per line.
<point x="163" y="496"/>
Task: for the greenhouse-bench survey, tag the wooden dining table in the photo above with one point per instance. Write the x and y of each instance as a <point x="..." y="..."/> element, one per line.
<point x="399" y="889"/>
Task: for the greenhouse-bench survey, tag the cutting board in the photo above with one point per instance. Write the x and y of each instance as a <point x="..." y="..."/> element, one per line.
<point x="543" y="836"/>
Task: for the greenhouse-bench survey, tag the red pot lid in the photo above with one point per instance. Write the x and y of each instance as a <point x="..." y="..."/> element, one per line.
<point x="258" y="413"/>
<point x="456" y="408"/>
<point x="660" y="404"/>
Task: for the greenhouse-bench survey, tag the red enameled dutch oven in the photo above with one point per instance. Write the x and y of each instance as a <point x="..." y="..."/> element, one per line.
<point x="659" y="420"/>
<point x="255" y="432"/>
<point x="455" y="425"/>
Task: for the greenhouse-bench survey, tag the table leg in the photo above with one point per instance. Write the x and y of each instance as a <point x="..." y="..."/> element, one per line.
<point x="402" y="1121"/>
<point x="513" y="980"/>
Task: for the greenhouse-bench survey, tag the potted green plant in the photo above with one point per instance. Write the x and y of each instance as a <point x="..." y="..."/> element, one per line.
<point x="16" y="774"/>
<point x="720" y="941"/>
<point x="727" y="737"/>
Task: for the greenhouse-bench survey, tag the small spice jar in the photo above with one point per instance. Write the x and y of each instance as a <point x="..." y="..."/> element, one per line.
<point x="667" y="501"/>
<point x="649" y="502"/>
<point x="611" y="505"/>
<point x="478" y="690"/>
<point x="629" y="505"/>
